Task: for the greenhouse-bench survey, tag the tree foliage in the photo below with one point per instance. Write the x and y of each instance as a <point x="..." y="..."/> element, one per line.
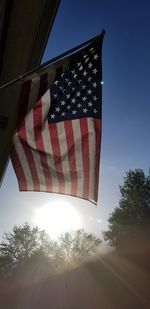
<point x="77" y="246"/>
<point x="20" y="245"/>
<point x="131" y="220"/>
<point x="27" y="248"/>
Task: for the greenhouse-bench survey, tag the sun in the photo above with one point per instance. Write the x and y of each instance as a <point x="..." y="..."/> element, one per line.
<point x="57" y="217"/>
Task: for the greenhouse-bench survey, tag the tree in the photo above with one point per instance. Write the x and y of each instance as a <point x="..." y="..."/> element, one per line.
<point x="75" y="247"/>
<point x="22" y="243"/>
<point x="130" y="222"/>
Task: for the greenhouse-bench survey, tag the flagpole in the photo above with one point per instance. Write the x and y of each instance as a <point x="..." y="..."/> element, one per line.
<point x="51" y="61"/>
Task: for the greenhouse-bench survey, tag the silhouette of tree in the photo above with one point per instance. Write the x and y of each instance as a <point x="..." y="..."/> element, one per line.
<point x="129" y="224"/>
<point x="75" y="247"/>
<point x="22" y="243"/>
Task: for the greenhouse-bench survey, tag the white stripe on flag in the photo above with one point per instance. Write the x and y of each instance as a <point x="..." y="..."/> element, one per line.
<point x="22" y="158"/>
<point x="92" y="151"/>
<point x="78" y="156"/>
<point x="64" y="155"/>
<point x="29" y="127"/>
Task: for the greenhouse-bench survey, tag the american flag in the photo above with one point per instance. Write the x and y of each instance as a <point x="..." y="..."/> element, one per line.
<point x="56" y="147"/>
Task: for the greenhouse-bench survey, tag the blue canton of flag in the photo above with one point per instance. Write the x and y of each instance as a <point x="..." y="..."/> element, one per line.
<point x="77" y="92"/>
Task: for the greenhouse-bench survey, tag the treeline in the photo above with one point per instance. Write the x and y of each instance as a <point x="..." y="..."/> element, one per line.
<point x="28" y="251"/>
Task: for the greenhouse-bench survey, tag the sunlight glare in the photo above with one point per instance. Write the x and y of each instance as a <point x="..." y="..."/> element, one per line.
<point x="57" y="217"/>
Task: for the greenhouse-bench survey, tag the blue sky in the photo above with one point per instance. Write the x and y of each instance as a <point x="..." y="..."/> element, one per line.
<point x="126" y="108"/>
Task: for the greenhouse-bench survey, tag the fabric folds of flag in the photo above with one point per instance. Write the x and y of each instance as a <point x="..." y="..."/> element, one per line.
<point x="56" y="147"/>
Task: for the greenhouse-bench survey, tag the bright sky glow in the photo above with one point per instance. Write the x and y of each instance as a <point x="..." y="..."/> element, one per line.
<point x="126" y="126"/>
<point x="57" y="217"/>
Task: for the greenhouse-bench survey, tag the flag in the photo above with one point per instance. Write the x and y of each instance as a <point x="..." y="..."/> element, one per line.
<point x="56" y="147"/>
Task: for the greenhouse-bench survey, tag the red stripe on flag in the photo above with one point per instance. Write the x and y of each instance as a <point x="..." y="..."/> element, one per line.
<point x="57" y="156"/>
<point x="23" y="101"/>
<point x="97" y="123"/>
<point x="38" y="122"/>
<point x="71" y="156"/>
<point x="85" y="156"/>
<point x="28" y="153"/>
<point x="18" y="170"/>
